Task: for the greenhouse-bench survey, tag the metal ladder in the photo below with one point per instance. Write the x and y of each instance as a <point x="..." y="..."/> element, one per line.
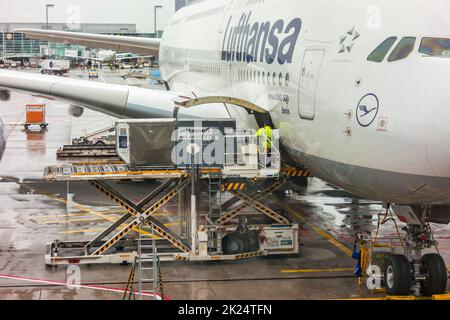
<point x="215" y="189"/>
<point x="129" y="293"/>
<point x="147" y="265"/>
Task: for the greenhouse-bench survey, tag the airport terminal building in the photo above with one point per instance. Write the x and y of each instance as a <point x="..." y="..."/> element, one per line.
<point x="13" y="43"/>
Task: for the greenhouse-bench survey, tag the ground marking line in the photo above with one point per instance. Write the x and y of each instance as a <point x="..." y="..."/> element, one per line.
<point x="80" y="286"/>
<point x="62" y="221"/>
<point x="90" y="211"/>
<point x="43" y="217"/>
<point x="321" y="232"/>
<point x="316" y="270"/>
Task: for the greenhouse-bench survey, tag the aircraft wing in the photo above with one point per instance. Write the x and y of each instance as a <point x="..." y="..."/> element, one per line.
<point x="96" y="59"/>
<point x="132" y="57"/>
<point x="17" y="56"/>
<point x="116" y="100"/>
<point x="147" y="46"/>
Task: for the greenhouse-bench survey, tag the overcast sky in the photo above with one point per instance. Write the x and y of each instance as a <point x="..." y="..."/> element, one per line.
<point x="139" y="12"/>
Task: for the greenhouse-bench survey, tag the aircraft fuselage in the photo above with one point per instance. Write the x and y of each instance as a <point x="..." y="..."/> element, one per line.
<point x="377" y="129"/>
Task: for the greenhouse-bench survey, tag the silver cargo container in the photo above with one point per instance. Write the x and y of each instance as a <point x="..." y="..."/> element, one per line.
<point x="161" y="143"/>
<point x="145" y="143"/>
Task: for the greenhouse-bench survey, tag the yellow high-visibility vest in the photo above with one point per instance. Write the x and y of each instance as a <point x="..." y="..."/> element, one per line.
<point x="266" y="133"/>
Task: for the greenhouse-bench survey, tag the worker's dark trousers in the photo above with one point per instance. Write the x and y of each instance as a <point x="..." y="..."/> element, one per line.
<point x="268" y="158"/>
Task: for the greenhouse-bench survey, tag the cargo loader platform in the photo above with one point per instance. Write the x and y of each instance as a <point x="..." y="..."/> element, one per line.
<point x="226" y="233"/>
<point x="88" y="171"/>
<point x="88" y="151"/>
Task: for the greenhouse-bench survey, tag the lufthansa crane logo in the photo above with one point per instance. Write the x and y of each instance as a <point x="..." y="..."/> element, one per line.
<point x="367" y="110"/>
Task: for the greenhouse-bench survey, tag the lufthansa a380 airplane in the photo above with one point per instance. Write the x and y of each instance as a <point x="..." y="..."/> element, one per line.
<point x="358" y="88"/>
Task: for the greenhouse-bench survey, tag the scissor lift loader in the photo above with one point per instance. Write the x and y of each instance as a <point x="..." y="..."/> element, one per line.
<point x="227" y="232"/>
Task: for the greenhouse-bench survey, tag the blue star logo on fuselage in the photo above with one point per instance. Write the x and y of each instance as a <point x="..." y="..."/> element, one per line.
<point x="347" y="41"/>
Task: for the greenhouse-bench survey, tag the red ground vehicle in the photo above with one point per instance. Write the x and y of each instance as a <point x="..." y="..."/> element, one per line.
<point x="35" y="116"/>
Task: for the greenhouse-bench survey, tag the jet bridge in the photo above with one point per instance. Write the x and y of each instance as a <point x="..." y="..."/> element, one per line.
<point x="235" y="176"/>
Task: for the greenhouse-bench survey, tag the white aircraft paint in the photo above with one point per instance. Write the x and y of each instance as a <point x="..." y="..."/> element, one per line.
<point x="377" y="129"/>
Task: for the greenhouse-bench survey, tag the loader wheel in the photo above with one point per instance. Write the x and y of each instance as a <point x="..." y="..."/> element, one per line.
<point x="397" y="275"/>
<point x="233" y="245"/>
<point x="253" y="241"/>
<point x="236" y="243"/>
<point x="435" y="271"/>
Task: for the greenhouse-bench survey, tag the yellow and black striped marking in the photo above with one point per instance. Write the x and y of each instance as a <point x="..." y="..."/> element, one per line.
<point x="250" y="255"/>
<point x="129" y="289"/>
<point x="233" y="186"/>
<point x="141" y="218"/>
<point x="295" y="172"/>
<point x="165" y="233"/>
<point x="181" y="258"/>
<point x="114" y="198"/>
<point x="231" y="214"/>
<point x="262" y="208"/>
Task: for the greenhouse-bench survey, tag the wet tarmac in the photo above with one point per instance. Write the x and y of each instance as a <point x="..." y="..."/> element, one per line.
<point x="34" y="212"/>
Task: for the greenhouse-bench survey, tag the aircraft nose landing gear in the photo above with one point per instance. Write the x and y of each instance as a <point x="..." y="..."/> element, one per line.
<point x="429" y="273"/>
<point x="412" y="272"/>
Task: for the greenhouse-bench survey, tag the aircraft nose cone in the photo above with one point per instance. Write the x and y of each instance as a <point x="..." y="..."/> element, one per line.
<point x="439" y="141"/>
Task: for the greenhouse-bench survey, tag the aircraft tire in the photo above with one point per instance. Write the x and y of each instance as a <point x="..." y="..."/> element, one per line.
<point x="435" y="271"/>
<point x="397" y="275"/>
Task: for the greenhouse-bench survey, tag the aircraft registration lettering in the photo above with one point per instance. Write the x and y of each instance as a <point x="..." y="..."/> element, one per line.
<point x="284" y="99"/>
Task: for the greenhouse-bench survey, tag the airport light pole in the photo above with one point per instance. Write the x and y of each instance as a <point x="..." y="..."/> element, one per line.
<point x="155" y="8"/>
<point x="46" y="14"/>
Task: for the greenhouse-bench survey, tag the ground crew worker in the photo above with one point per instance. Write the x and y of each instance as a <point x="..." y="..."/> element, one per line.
<point x="265" y="135"/>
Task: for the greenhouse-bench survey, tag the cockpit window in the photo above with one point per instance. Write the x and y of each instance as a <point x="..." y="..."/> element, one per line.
<point x="381" y="51"/>
<point x="403" y="49"/>
<point x="436" y="47"/>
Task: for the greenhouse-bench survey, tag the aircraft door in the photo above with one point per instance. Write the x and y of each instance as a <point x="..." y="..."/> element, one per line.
<point x="309" y="77"/>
